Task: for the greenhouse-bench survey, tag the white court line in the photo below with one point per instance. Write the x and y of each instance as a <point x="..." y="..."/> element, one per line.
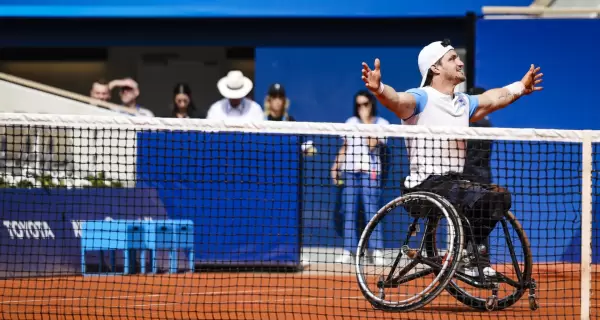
<point x="300" y="300"/>
<point x="170" y="303"/>
<point x="145" y="295"/>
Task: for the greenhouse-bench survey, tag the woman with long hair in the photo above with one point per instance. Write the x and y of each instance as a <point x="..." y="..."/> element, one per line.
<point x="357" y="169"/>
<point x="182" y="105"/>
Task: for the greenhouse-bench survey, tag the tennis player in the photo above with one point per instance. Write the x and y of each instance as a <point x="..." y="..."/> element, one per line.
<point x="436" y="165"/>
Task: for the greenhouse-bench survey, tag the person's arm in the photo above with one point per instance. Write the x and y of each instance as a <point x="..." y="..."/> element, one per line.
<point x="336" y="163"/>
<point x="496" y="99"/>
<point x="400" y="103"/>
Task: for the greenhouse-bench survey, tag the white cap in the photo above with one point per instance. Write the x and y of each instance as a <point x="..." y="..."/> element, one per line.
<point x="430" y="55"/>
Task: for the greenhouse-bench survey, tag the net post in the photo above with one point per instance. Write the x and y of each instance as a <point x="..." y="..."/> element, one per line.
<point x="586" y="226"/>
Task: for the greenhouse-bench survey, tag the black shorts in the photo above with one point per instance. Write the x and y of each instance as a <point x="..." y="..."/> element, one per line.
<point x="474" y="199"/>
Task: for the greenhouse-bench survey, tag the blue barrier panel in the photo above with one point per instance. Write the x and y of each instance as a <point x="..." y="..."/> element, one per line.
<point x="241" y="190"/>
<point x="242" y="8"/>
<point x="568" y="102"/>
<point x="41" y="229"/>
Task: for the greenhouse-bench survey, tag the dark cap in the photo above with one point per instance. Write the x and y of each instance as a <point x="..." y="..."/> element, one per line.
<point x="276" y="90"/>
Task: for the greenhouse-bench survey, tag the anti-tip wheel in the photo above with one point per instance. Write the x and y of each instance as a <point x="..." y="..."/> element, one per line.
<point x="491" y="303"/>
<point x="533" y="305"/>
<point x="381" y="287"/>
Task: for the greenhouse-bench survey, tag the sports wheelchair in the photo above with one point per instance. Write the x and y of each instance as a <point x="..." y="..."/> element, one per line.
<point x="442" y="268"/>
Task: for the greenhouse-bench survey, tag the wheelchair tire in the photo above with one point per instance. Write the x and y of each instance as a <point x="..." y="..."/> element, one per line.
<point x="377" y="299"/>
<point x="479" y="303"/>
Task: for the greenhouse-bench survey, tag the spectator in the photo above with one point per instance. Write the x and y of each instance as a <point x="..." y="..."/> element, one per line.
<point x="358" y="168"/>
<point x="277" y="104"/>
<point x="479" y="152"/>
<point x="182" y="105"/>
<point x="234" y="88"/>
<point x="129" y="92"/>
<point x="100" y="90"/>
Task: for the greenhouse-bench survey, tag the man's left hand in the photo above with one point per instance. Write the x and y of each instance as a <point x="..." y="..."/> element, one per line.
<point x="532" y="79"/>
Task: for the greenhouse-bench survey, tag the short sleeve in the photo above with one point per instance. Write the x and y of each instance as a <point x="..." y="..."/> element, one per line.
<point x="473" y="104"/>
<point x="421" y="97"/>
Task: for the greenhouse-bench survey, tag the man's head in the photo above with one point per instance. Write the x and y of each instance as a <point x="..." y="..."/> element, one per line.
<point x="129" y="92"/>
<point x="100" y="90"/>
<point x="439" y="60"/>
<point x="276" y="98"/>
<point x="235" y="87"/>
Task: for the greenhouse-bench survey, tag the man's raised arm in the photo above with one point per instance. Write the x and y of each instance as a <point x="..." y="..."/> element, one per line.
<point x="401" y="103"/>
<point x="496" y="99"/>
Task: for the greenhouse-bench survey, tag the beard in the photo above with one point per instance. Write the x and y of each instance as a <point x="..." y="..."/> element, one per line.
<point x="461" y="74"/>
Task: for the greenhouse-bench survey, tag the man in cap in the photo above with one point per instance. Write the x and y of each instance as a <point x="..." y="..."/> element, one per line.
<point x="436" y="165"/>
<point x="234" y="88"/>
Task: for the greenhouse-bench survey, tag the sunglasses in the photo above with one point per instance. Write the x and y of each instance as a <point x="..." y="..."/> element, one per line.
<point x="364" y="104"/>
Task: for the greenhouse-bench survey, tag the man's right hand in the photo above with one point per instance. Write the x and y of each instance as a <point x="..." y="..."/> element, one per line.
<point x="372" y="78"/>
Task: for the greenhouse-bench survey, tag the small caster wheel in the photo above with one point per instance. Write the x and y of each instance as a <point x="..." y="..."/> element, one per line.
<point x="491" y="303"/>
<point x="380" y="284"/>
<point x="533" y="305"/>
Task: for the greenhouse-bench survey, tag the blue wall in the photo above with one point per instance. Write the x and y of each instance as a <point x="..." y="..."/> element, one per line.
<point x="568" y="60"/>
<point x="241" y="190"/>
<point x="569" y="101"/>
<point x="243" y="8"/>
<point x="41" y="228"/>
<point x="321" y="82"/>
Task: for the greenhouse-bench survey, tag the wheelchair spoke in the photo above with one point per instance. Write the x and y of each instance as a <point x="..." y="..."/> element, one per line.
<point x="511" y="249"/>
<point x="430" y="262"/>
<point x="472" y="281"/>
<point x="399" y="257"/>
<point x="429" y="229"/>
<point x="509" y="281"/>
<point x="419" y="274"/>
<point x="406" y="269"/>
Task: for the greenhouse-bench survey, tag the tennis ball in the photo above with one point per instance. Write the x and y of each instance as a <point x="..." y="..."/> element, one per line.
<point x="309" y="149"/>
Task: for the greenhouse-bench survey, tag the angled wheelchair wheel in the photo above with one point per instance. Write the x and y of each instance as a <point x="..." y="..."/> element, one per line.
<point x="511" y="258"/>
<point x="403" y="276"/>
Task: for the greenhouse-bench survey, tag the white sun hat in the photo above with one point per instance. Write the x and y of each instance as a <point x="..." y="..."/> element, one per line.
<point x="235" y="85"/>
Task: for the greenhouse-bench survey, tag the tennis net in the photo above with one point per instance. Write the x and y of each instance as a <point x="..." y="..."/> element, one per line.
<point x="148" y="218"/>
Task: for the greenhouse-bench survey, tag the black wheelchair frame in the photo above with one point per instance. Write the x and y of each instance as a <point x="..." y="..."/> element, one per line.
<point x="436" y="263"/>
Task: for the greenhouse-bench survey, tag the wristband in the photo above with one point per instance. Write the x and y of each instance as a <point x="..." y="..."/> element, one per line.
<point x="516" y="88"/>
<point x="381" y="88"/>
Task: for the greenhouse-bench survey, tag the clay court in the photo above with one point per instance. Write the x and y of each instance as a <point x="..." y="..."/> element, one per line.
<point x="313" y="294"/>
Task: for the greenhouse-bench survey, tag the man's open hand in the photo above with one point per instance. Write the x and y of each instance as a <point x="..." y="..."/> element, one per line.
<point x="532" y="79"/>
<point x="372" y="78"/>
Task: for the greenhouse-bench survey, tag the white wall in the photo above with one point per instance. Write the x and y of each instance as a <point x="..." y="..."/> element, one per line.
<point x="68" y="150"/>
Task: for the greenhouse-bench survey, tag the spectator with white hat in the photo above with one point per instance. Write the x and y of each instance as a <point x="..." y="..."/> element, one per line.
<point x="234" y="88"/>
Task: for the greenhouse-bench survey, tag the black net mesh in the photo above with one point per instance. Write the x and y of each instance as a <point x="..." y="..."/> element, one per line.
<point x="171" y="219"/>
